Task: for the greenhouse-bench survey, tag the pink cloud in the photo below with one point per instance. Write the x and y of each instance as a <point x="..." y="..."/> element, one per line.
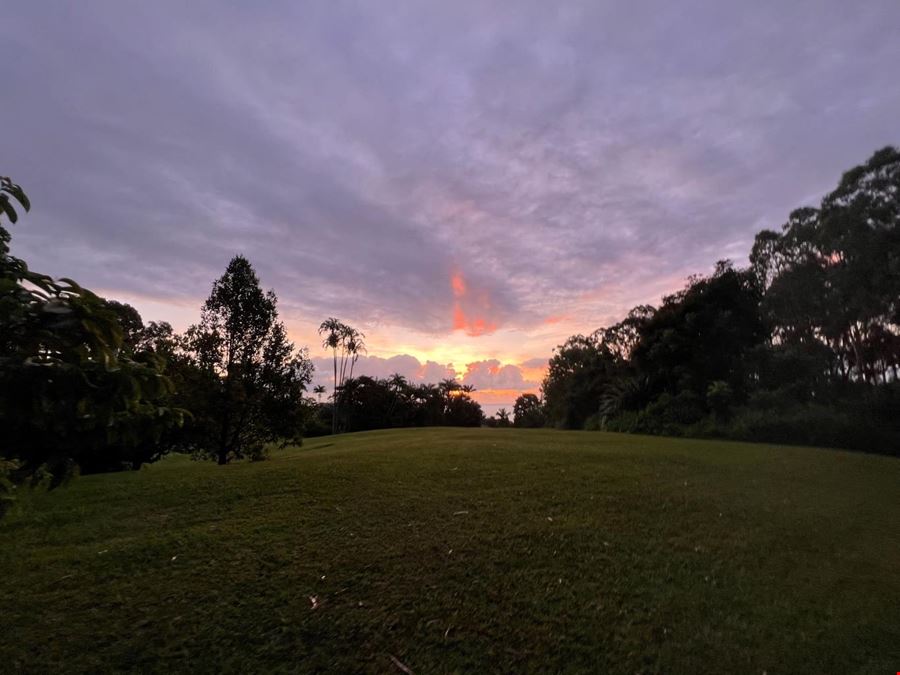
<point x="491" y="374"/>
<point x="382" y="367"/>
<point x="471" y="310"/>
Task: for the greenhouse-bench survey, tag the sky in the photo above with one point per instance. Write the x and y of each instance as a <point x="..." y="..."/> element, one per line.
<point x="468" y="183"/>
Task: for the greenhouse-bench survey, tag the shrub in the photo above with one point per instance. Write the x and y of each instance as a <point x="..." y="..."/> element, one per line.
<point x="818" y="425"/>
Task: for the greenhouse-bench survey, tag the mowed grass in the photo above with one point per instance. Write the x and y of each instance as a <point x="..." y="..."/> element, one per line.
<point x="464" y="551"/>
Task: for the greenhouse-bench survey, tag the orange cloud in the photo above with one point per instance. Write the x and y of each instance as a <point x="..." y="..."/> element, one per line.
<point x="479" y="326"/>
<point x="550" y="320"/>
<point x="458" y="284"/>
<point x="500" y="397"/>
<point x="459" y="319"/>
<point x="470" y="309"/>
<point x="534" y="374"/>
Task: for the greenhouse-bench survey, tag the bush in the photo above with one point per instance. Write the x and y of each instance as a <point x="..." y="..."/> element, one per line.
<point x="871" y="425"/>
<point x="666" y="416"/>
<point x="624" y="422"/>
<point x="817" y="425"/>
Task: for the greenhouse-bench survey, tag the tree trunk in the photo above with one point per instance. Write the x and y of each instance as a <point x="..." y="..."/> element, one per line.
<point x="334" y="402"/>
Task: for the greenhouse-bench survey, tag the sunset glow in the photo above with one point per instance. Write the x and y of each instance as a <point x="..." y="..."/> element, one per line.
<point x="462" y="197"/>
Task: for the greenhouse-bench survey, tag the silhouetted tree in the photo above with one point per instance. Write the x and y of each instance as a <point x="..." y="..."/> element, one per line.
<point x="528" y="412"/>
<point x="502" y="416"/>
<point x="257" y="379"/>
<point x="332" y="330"/>
<point x="832" y="275"/>
<point x="346" y="344"/>
<point x="702" y="334"/>
<point x="72" y="392"/>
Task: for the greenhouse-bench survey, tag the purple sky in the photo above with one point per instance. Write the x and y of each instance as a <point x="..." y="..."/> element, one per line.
<point x="468" y="182"/>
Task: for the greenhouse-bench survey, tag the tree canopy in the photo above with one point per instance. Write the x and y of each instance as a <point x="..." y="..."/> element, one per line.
<point x="74" y="393"/>
<point x="251" y="378"/>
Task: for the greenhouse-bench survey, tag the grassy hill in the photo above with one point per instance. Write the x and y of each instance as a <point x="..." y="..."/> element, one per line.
<point x="447" y="550"/>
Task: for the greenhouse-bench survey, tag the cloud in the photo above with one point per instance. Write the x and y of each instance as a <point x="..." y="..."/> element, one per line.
<point x="472" y="308"/>
<point x="406" y="365"/>
<point x="492" y="374"/>
<point x="559" y="160"/>
<point x="496" y="383"/>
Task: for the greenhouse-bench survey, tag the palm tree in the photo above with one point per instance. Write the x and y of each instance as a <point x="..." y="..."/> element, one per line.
<point x="398" y="382"/>
<point x="318" y="390"/>
<point x="350" y="341"/>
<point x="347" y="393"/>
<point x="398" y="386"/>
<point x="503" y="417"/>
<point x="355" y="345"/>
<point x="333" y="329"/>
<point x="449" y="385"/>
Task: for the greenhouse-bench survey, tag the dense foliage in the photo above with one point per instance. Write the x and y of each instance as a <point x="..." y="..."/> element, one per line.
<point x="528" y="411"/>
<point x="802" y="346"/>
<point x="85" y="386"/>
<point x="73" y="393"/>
<point x="370" y="403"/>
<point x="243" y="379"/>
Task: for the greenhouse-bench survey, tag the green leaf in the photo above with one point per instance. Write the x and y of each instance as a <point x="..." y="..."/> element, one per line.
<point x="72" y="284"/>
<point x="17" y="192"/>
<point x="7" y="208"/>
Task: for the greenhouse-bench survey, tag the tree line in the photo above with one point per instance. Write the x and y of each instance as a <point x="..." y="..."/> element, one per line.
<point x="364" y="403"/>
<point x="801" y="346"/>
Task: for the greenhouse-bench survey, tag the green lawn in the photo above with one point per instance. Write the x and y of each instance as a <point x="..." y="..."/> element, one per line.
<point x="464" y="551"/>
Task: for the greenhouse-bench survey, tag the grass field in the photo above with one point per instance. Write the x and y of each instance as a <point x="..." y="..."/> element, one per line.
<point x="464" y="551"/>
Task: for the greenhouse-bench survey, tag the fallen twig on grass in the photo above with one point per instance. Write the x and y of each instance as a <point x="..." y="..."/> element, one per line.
<point x="402" y="666"/>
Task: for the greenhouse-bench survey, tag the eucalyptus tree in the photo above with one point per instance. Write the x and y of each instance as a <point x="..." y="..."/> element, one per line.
<point x="832" y="274"/>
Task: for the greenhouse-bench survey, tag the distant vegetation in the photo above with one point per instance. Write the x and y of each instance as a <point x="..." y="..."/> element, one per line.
<point x="364" y="402"/>
<point x="371" y="403"/>
<point x="802" y="346"/>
